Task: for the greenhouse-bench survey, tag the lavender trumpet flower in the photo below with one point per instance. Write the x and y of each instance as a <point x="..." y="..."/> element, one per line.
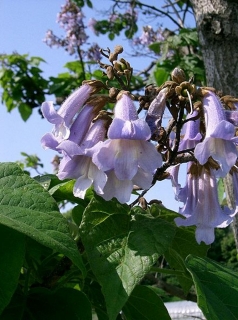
<point x="78" y="161"/>
<point x="63" y="118"/>
<point x="127" y="152"/>
<point x="201" y="207"/>
<point x="219" y="142"/>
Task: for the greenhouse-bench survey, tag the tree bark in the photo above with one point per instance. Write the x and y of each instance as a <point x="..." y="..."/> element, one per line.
<point x="217" y="25"/>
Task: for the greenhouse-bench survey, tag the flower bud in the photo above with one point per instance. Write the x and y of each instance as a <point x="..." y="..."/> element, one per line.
<point x="178" y="75"/>
<point x="110" y="73"/>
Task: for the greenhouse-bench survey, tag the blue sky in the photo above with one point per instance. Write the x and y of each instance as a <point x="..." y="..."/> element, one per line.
<point x="23" y="24"/>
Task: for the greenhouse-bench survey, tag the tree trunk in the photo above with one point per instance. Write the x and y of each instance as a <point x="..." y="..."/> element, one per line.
<point x="217" y="25"/>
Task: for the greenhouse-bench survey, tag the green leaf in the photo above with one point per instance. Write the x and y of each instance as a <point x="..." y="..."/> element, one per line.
<point x="217" y="288"/>
<point x="74" y="66"/>
<point x="26" y="207"/>
<point x="89" y="4"/>
<point x="64" y="191"/>
<point x="48" y="181"/>
<point x="121" y="248"/>
<point x="25" y="111"/>
<point x="161" y="75"/>
<point x="12" y="252"/>
<point x="156" y="47"/>
<point x="184" y="243"/>
<point x="145" y="304"/>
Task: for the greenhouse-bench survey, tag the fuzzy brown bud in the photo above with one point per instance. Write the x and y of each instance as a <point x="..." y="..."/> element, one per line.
<point x="96" y="84"/>
<point x="118" y="49"/>
<point x="113" y="92"/>
<point x="178" y="75"/>
<point x="113" y="56"/>
<point x="110" y="73"/>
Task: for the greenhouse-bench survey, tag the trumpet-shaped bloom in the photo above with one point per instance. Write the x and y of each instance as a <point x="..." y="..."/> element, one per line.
<point x="82" y="121"/>
<point x="201" y="207"/>
<point x="121" y="189"/>
<point x="63" y="118"/>
<point x="191" y="133"/>
<point x="77" y="164"/>
<point x="127" y="150"/>
<point x="219" y="142"/>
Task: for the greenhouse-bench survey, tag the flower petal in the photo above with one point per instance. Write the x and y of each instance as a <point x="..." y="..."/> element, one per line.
<point x="149" y="158"/>
<point x="49" y="141"/>
<point x="120" y="189"/>
<point x="49" y="112"/>
<point x="81" y="185"/>
<point x="126" y="161"/>
<point x="135" y="130"/>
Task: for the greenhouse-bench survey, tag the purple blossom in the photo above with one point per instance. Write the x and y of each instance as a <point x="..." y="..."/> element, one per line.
<point x="192" y="134"/>
<point x="70" y="18"/>
<point x="91" y="24"/>
<point x="219" y="141"/>
<point x="63" y="118"/>
<point x="173" y="176"/>
<point x="201" y="207"/>
<point x="127" y="151"/>
<point x="147" y="37"/>
<point x="77" y="164"/>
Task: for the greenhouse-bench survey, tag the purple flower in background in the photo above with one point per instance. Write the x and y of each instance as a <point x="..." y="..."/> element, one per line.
<point x="201" y="207"/>
<point x="91" y="24"/>
<point x="219" y="141"/>
<point x="70" y="18"/>
<point x="127" y="151"/>
<point x="77" y="164"/>
<point x="63" y="118"/>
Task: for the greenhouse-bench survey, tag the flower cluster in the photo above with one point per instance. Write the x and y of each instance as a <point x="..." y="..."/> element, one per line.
<point x="215" y="154"/>
<point x="113" y="153"/>
<point x="70" y="18"/>
<point x="148" y="36"/>
<point x="114" y="165"/>
<point x="206" y="139"/>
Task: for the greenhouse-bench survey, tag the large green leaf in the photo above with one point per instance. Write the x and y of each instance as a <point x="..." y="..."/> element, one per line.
<point x="12" y="252"/>
<point x="26" y="207"/>
<point x="145" y="304"/>
<point x="121" y="248"/>
<point x="217" y="288"/>
<point x="184" y="243"/>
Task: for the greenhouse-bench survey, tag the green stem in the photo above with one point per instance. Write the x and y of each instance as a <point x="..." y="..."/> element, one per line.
<point x="166" y="271"/>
